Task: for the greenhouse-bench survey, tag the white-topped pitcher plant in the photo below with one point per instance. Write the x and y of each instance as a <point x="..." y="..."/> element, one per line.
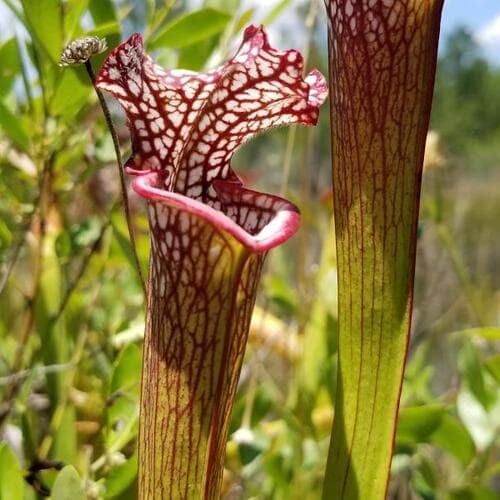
<point x="209" y="238"/>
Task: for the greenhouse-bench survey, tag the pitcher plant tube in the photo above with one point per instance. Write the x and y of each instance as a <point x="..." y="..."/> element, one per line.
<point x="382" y="56"/>
<point x="209" y="238"/>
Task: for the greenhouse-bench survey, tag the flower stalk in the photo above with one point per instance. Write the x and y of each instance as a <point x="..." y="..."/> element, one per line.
<point x="382" y="65"/>
<point x="209" y="238"/>
<point x="80" y="51"/>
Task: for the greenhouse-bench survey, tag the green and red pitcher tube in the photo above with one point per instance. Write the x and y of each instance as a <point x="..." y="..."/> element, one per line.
<point x="382" y="56"/>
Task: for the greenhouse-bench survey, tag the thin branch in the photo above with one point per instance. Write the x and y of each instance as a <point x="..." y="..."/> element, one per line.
<point x="42" y="370"/>
<point x="123" y="185"/>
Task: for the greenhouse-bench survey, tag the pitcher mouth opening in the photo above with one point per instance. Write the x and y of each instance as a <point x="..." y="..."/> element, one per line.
<point x="259" y="221"/>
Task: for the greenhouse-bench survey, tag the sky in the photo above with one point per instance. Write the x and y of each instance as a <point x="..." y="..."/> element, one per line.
<point x="481" y="16"/>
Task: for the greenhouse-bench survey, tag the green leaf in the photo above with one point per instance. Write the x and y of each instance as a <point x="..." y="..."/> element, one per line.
<point x="68" y="485"/>
<point x="124" y="394"/>
<point x="105" y="18"/>
<point x="105" y="29"/>
<point x="45" y="22"/>
<point x="73" y="11"/>
<point x="102" y="11"/>
<point x="415" y="425"/>
<point x="71" y="93"/>
<point x="452" y="436"/>
<point x="127" y="371"/>
<point x="65" y="444"/>
<point x="10" y="67"/>
<point x="195" y="56"/>
<point x="11" y="476"/>
<point x="473" y="374"/>
<point x="13" y="127"/>
<point x="190" y="28"/>
<point x="121" y="477"/>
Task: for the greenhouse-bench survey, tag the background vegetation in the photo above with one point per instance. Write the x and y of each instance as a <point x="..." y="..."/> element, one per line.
<point x="72" y="309"/>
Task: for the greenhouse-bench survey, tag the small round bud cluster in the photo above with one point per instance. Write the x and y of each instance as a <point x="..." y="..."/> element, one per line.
<point x="81" y="50"/>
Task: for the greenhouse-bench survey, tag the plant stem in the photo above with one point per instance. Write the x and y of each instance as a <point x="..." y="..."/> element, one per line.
<point x="123" y="185"/>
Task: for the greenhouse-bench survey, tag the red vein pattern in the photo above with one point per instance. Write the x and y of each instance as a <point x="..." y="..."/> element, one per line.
<point x="382" y="64"/>
<point x="209" y="238"/>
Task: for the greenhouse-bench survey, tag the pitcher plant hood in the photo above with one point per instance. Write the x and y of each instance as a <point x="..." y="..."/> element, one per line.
<point x="186" y="126"/>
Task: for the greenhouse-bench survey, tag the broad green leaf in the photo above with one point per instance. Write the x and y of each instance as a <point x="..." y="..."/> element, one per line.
<point x="11" y="476"/>
<point x="45" y="20"/>
<point x="9" y="67"/>
<point x="127" y="371"/>
<point x="452" y="436"/>
<point x="68" y="485"/>
<point x="105" y="18"/>
<point x="190" y="28"/>
<point x="416" y="425"/>
<point x="194" y="57"/>
<point x="102" y="11"/>
<point x="73" y="12"/>
<point x="71" y="93"/>
<point x="13" y="127"/>
<point x="121" y="477"/>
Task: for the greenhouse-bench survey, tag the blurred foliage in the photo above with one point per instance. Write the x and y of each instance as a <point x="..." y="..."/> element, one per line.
<point x="467" y="101"/>
<point x="72" y="309"/>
